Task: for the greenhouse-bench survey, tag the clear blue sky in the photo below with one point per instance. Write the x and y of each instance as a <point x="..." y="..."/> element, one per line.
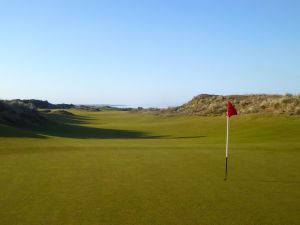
<point x="147" y="53"/>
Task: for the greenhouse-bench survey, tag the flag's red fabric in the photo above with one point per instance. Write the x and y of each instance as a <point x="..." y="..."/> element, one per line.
<point x="231" y="111"/>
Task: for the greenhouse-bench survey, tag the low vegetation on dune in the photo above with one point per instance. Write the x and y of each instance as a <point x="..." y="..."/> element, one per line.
<point x="246" y="104"/>
<point x="16" y="112"/>
<point x="45" y="104"/>
<point x="62" y="112"/>
<point x="214" y="105"/>
<point x="98" y="108"/>
<point x="29" y="113"/>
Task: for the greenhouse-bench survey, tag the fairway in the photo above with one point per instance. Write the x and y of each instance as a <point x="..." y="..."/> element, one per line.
<point x="124" y="168"/>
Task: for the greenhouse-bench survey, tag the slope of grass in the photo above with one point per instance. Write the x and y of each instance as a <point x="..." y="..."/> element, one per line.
<point x="205" y="105"/>
<point x="125" y="168"/>
<point x="19" y="113"/>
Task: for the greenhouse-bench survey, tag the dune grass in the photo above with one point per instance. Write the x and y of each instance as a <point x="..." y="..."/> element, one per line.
<point x="118" y="168"/>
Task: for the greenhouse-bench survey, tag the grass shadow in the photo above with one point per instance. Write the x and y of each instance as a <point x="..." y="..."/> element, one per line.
<point x="75" y="126"/>
<point x="70" y="127"/>
<point x="19" y="132"/>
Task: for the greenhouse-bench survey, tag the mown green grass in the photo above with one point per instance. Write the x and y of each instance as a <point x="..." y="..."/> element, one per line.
<point x="99" y="168"/>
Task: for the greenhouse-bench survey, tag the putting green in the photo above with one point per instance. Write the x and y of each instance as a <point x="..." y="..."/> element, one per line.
<point x="105" y="168"/>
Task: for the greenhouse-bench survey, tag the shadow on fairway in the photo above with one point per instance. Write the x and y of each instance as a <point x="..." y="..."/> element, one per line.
<point x="70" y="127"/>
<point x="73" y="127"/>
<point x="9" y="131"/>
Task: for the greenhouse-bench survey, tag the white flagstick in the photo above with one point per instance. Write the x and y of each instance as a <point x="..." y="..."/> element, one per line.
<point x="227" y="135"/>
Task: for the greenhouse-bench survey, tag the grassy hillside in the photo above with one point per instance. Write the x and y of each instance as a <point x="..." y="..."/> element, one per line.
<point x="18" y="113"/>
<point x="214" y="105"/>
<point x="46" y="105"/>
<point x="115" y="168"/>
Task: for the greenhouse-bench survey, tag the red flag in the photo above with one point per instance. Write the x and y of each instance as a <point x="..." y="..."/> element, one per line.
<point x="231" y="111"/>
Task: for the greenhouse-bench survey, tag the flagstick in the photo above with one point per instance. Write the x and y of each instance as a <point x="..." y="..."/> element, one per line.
<point x="227" y="134"/>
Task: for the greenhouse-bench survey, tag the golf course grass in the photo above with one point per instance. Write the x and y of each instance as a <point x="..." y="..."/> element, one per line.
<point x="124" y="168"/>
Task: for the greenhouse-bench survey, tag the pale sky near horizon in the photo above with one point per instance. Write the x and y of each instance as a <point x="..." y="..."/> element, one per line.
<point x="147" y="53"/>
